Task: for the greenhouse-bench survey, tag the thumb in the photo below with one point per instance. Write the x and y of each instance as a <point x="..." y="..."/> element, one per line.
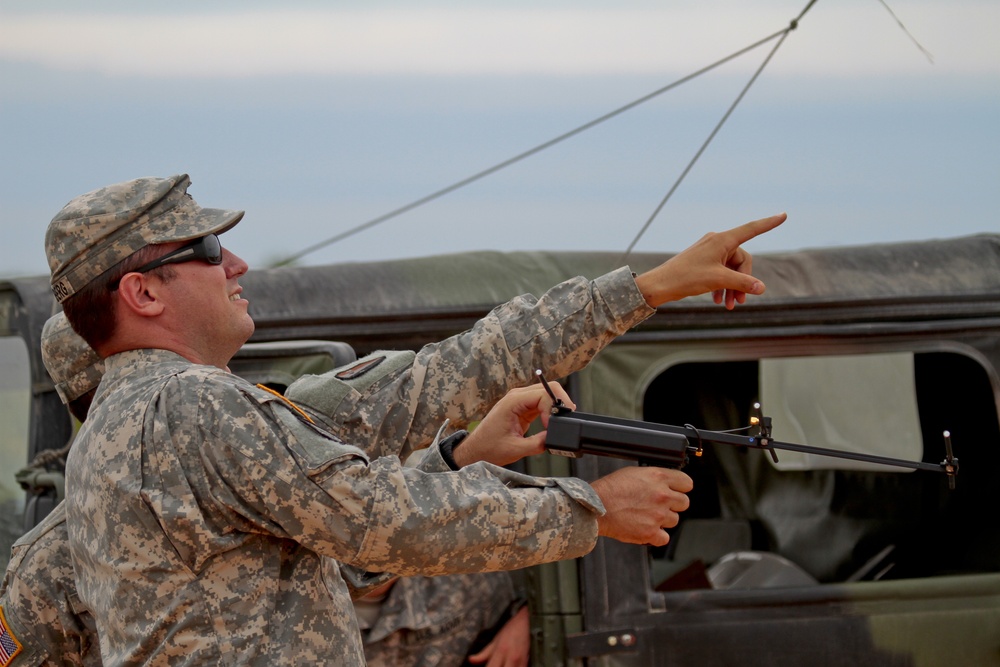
<point x="743" y="282"/>
<point x="535" y="444"/>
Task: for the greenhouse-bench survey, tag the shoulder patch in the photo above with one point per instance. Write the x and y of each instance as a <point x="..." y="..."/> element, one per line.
<point x="323" y="394"/>
<point x="360" y="368"/>
<point x="9" y="644"/>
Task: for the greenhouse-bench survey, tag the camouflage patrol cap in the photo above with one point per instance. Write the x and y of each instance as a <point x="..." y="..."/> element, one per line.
<point x="73" y="365"/>
<point x="95" y="231"/>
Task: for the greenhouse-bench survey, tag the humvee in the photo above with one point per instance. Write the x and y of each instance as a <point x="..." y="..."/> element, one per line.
<point x="807" y="560"/>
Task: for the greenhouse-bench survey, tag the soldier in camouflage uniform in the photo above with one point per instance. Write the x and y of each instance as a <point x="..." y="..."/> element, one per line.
<point x="50" y="626"/>
<point x="425" y="620"/>
<point x="200" y="508"/>
<point x="43" y="618"/>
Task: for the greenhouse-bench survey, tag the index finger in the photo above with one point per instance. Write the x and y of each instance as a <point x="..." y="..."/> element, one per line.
<point x="749" y="230"/>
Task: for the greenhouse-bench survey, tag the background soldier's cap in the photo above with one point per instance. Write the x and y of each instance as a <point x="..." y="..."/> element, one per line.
<point x="95" y="231"/>
<point x="73" y="365"/>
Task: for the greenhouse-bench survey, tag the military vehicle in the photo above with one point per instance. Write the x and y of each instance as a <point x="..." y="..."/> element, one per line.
<point x="808" y="560"/>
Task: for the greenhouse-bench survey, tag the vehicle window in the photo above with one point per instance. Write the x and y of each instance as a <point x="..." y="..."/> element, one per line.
<point x="828" y="522"/>
<point x="15" y="388"/>
<point x="863" y="403"/>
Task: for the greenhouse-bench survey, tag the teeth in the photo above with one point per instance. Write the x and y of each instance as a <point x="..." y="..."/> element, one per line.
<point x="235" y="297"/>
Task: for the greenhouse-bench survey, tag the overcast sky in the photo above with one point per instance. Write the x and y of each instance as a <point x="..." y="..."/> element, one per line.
<point x="319" y="116"/>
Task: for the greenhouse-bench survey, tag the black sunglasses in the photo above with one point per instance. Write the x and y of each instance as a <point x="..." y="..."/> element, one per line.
<point x="206" y="248"/>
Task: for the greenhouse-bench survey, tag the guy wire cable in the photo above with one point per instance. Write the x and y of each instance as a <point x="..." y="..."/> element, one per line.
<point x="517" y="158"/>
<point x="792" y="26"/>
<point x="586" y="126"/>
<point x="928" y="54"/>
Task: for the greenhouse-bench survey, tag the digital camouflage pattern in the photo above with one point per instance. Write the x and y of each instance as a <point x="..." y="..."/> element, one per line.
<point x="97" y="230"/>
<point x="434" y="621"/>
<point x="40" y="603"/>
<point x="399" y="402"/>
<point x="198" y="451"/>
<point x="461" y="377"/>
<point x="200" y="509"/>
<point x="73" y="365"/>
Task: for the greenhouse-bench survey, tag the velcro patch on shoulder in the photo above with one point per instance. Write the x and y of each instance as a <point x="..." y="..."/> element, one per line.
<point x="324" y="393"/>
<point x="10" y="647"/>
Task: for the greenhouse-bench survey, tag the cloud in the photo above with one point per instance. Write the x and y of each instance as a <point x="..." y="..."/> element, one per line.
<point x="841" y="39"/>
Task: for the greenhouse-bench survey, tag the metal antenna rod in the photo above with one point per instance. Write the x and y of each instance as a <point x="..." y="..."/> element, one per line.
<point x="556" y="402"/>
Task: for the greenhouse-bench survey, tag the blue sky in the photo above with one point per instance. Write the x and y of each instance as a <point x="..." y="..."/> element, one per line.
<point x="316" y="117"/>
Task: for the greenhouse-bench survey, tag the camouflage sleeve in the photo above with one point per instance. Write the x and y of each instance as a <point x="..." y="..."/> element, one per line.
<point x="462" y="377"/>
<point x="275" y="472"/>
<point x="398" y="406"/>
<point x="360" y="582"/>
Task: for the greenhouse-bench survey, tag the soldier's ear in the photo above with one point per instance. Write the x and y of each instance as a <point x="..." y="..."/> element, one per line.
<point x="138" y="294"/>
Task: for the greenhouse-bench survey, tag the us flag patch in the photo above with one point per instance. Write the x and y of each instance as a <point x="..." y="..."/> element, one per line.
<point x="9" y="646"/>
